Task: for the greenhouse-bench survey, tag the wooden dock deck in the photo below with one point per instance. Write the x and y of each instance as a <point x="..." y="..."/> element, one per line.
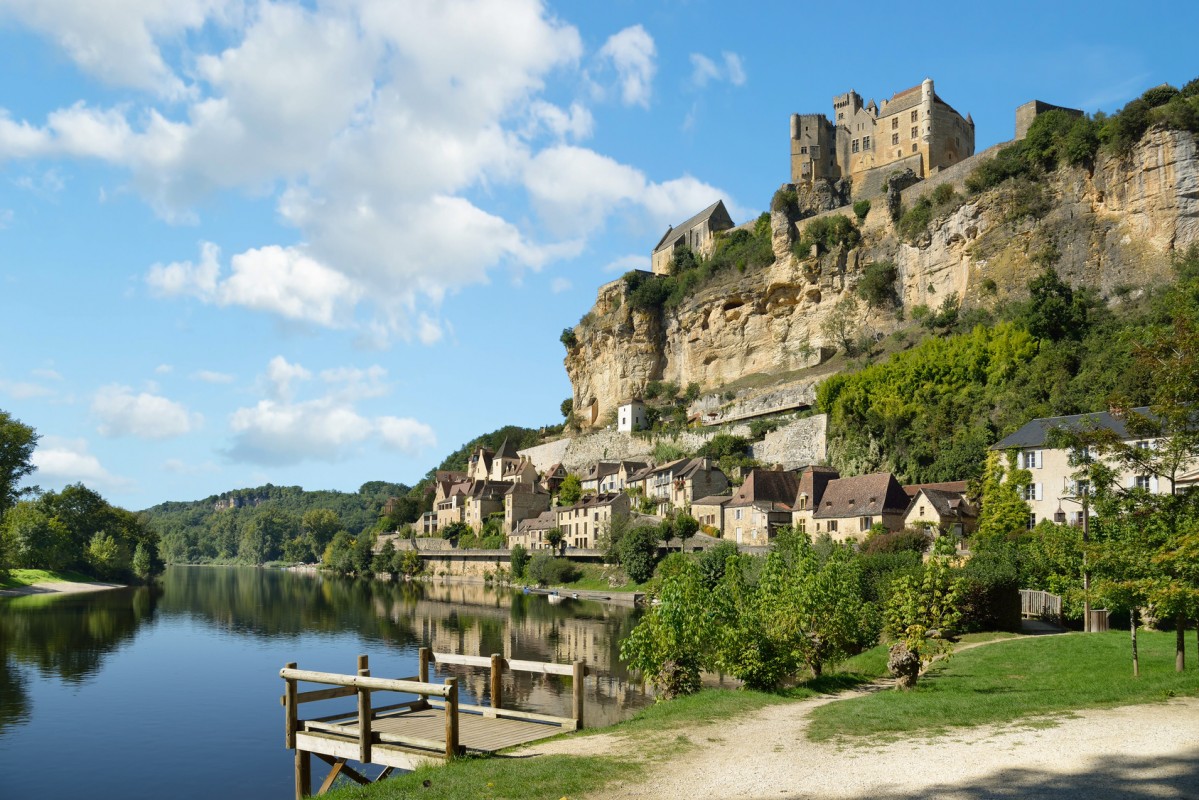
<point x="433" y="728"/>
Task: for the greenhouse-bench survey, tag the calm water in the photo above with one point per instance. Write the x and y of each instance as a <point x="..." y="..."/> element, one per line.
<point x="173" y="691"/>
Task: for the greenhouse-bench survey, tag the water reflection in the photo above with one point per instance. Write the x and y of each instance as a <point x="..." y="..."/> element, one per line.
<point x="64" y="637"/>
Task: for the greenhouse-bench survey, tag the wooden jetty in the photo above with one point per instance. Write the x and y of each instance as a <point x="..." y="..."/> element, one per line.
<point x="433" y="728"/>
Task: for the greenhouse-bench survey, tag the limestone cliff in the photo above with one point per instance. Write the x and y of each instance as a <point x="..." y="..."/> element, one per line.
<point x="1114" y="228"/>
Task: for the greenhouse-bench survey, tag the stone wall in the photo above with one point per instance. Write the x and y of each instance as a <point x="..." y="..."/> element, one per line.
<point x="956" y="175"/>
<point x="610" y="445"/>
<point x="714" y="410"/>
<point x="870" y="182"/>
<point x="803" y="442"/>
<point x="481" y="563"/>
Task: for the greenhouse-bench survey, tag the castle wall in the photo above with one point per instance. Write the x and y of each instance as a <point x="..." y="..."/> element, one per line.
<point x="870" y="182"/>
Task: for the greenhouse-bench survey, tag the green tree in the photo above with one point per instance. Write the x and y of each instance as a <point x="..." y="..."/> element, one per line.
<point x="1054" y="312"/>
<point x="1004" y="511"/>
<point x="685" y="526"/>
<point x="362" y="554"/>
<point x="639" y="553"/>
<point x="675" y="640"/>
<point x="570" y="490"/>
<point x="321" y="524"/>
<point x="17" y="442"/>
<point x="143" y="562"/>
<point x="383" y="560"/>
<point x="338" y="554"/>
<point x="567" y="408"/>
<point x="35" y="539"/>
<point x="105" y="556"/>
<point x="408" y="563"/>
<point x="518" y="559"/>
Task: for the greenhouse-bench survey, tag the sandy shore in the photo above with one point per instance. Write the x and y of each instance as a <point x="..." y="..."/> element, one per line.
<point x="1144" y="751"/>
<point x="58" y="587"/>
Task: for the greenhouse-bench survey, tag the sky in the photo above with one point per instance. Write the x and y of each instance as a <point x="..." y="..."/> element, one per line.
<point x="323" y="243"/>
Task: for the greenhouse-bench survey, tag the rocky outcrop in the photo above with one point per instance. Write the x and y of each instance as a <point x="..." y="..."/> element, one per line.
<point x="1113" y="228"/>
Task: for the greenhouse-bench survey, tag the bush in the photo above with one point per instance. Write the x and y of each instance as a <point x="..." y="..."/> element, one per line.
<point x="758" y="428"/>
<point x="568" y="338"/>
<point x="827" y="233"/>
<point x="785" y="200"/>
<point x="944" y="194"/>
<point x="518" y="559"/>
<point x="714" y="561"/>
<point x="723" y="444"/>
<point x="909" y="540"/>
<point x="990" y="590"/>
<point x="545" y="570"/>
<point x="639" y="553"/>
<point x="860" y="209"/>
<point x="914" y="222"/>
<point x="877" y="286"/>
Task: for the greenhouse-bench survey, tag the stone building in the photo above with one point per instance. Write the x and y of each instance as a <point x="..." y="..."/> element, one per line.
<point x="761" y="506"/>
<point x="696" y="233"/>
<point x="586" y="519"/>
<point x="631" y="416"/>
<point x="914" y="129"/>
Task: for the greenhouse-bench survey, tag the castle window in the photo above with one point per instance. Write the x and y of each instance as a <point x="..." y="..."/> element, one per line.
<point x="855" y="145"/>
<point x="894" y="123"/>
<point x="913" y="147"/>
<point x="915" y="132"/>
<point x="803" y="151"/>
<point x="915" y="116"/>
<point x="895" y="138"/>
<point x="865" y="142"/>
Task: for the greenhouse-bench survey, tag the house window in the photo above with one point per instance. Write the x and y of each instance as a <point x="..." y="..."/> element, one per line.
<point x="1032" y="521"/>
<point x="1082" y="488"/>
<point x="854" y="145"/>
<point x="913" y="147"/>
<point x="1032" y="459"/>
<point x="801" y="525"/>
<point x="1142" y="445"/>
<point x="866" y="523"/>
<point x="865" y="142"/>
<point x="915" y="132"/>
<point x="1033" y="492"/>
<point x="803" y="502"/>
<point x="915" y="116"/>
<point x="803" y="151"/>
<point x="895" y="138"/>
<point x="1142" y="482"/>
<point x="895" y="123"/>
<point x="737" y="514"/>
<point x="818" y="527"/>
<point x="832" y="526"/>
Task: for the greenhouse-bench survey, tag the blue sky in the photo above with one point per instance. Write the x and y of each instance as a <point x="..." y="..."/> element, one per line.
<point x="324" y="243"/>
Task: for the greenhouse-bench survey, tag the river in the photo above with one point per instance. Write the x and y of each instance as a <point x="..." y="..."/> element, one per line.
<point x="173" y="690"/>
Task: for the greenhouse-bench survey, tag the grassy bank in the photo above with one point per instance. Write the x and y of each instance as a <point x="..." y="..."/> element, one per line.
<point x="17" y="578"/>
<point x="1009" y="680"/>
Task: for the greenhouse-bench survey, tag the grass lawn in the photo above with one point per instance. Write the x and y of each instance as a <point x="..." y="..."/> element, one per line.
<point x="1013" y="679"/>
<point x="28" y="577"/>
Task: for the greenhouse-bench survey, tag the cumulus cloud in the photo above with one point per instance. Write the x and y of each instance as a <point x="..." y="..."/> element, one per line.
<point x="631" y="53"/>
<point x="121" y="412"/>
<point x="61" y="461"/>
<point x="704" y="70"/>
<point x="282" y="429"/>
<point x="382" y="138"/>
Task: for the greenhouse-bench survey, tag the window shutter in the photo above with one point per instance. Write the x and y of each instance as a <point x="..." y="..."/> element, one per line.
<point x="1038" y="467"/>
<point x="1153" y="484"/>
<point x="1132" y="481"/>
<point x="1038" y="495"/>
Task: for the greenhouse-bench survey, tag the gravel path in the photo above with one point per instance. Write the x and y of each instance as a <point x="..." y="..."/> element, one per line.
<point x="1145" y="751"/>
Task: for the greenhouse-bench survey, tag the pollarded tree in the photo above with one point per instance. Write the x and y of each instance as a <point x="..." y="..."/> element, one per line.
<point x="920" y="617"/>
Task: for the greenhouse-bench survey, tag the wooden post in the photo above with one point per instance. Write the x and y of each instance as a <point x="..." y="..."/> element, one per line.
<point x="451" y="718"/>
<point x="291" y="712"/>
<point x="364" y="713"/>
<point x="303" y="774"/>
<point x="422" y="672"/>
<point x="497" y="680"/>
<point x="580" y="672"/>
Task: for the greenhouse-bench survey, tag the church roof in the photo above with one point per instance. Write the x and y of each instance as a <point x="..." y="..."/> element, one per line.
<point x="673" y="234"/>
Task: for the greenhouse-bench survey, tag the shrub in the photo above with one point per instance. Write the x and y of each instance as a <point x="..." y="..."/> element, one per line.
<point x="518" y="559"/>
<point x="785" y="200"/>
<point x="909" y="540"/>
<point x="990" y="591"/>
<point x="827" y="233"/>
<point x="758" y="428"/>
<point x="714" y="561"/>
<point x="914" y="222"/>
<point x="544" y="569"/>
<point x="877" y="286"/>
<point x="639" y="553"/>
<point x="568" y="338"/>
<point x="723" y="444"/>
<point x="944" y="194"/>
<point x="860" y="209"/>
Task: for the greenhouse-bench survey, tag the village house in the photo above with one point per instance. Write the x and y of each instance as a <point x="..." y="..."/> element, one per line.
<point x="594" y="476"/>
<point x="697" y="233"/>
<point x="709" y="512"/>
<point x="551" y="481"/>
<point x="760" y="506"/>
<point x="812" y="481"/>
<point x="676" y="484"/>
<point x="482" y="500"/>
<point x="523" y="501"/>
<point x="849" y="507"/>
<point x="939" y="510"/>
<point x="530" y="533"/>
<point x="1054" y="493"/>
<point x="631" y="416"/>
<point x="503" y="465"/>
<point x="582" y="522"/>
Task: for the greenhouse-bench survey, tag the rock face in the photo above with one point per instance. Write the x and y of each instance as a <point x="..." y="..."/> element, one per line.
<point x="1113" y="228"/>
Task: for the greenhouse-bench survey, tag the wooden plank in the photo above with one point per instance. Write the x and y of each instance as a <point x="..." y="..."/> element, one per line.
<point x="360" y="682"/>
<point x="462" y="661"/>
<point x="324" y="694"/>
<point x="512" y="713"/>
<point x="303" y="774"/>
<point x="364" y="715"/>
<point x="540" y="667"/>
<point x="291" y="712"/>
<point x="451" y="718"/>
<point x="411" y="704"/>
<point x="422" y="672"/>
<point x="385" y="755"/>
<point x="331" y="777"/>
<point x="435" y="745"/>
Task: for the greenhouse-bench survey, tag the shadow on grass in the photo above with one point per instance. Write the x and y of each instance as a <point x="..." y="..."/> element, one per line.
<point x="1115" y="777"/>
<point x="836" y="682"/>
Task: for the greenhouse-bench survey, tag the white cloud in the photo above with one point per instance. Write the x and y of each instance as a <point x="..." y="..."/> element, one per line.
<point x="61" y="461"/>
<point x="24" y="390"/>
<point x="283" y="430"/>
<point x="211" y="376"/>
<point x="405" y="434"/>
<point x="626" y="263"/>
<point x="164" y="369"/>
<point x="560" y="285"/>
<point x="48" y="374"/>
<point x="575" y="123"/>
<point x="631" y="53"/>
<point x="143" y="415"/>
<point x="186" y="278"/>
<point x="705" y="70"/>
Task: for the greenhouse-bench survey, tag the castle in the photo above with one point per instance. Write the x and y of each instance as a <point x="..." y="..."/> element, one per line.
<point x="915" y="129"/>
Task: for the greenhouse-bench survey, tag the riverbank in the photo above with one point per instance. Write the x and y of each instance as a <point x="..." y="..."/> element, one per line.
<point x="23" y="582"/>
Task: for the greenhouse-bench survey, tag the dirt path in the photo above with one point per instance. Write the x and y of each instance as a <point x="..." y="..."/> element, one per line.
<point x="1146" y="751"/>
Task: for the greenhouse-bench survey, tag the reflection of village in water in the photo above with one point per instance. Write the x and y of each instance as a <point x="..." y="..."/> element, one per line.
<point x="475" y="619"/>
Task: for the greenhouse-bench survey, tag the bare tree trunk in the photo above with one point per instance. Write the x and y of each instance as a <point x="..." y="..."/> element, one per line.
<point x="1136" y="664"/>
<point x="1180" y="645"/>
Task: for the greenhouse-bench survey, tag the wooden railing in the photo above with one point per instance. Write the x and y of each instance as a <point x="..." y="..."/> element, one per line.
<point x="1035" y="604"/>
<point x="497" y="664"/>
<point x="363" y="685"/>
